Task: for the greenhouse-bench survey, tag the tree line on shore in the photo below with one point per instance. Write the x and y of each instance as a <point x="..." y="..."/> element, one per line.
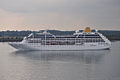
<point x="15" y="36"/>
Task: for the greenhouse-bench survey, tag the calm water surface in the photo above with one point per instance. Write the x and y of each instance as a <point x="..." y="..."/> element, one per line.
<point x="60" y="65"/>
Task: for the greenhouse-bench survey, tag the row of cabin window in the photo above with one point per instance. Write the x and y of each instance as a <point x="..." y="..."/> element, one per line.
<point x="70" y="38"/>
<point x="77" y="40"/>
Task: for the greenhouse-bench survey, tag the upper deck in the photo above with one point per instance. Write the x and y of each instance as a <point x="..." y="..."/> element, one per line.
<point x="80" y="35"/>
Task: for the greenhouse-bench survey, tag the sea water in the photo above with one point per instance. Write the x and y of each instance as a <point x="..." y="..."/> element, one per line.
<point x="60" y="65"/>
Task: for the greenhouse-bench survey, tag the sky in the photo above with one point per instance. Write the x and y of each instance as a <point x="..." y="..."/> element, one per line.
<point x="59" y="14"/>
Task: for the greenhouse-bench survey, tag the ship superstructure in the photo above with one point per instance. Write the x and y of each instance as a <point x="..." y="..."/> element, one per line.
<point x="85" y="40"/>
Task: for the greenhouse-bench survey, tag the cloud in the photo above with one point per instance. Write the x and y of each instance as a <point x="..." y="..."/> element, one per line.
<point x="9" y="20"/>
<point x="61" y="14"/>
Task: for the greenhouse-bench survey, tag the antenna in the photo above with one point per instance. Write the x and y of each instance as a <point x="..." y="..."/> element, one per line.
<point x="45" y="31"/>
<point x="77" y="31"/>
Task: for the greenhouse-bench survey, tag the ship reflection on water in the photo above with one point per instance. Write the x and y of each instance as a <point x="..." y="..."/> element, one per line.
<point x="87" y="57"/>
<point x="64" y="65"/>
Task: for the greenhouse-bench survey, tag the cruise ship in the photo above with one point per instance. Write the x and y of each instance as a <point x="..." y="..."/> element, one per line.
<point x="85" y="40"/>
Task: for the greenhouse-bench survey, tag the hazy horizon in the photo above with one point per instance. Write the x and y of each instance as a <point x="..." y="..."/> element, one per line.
<point x="61" y="30"/>
<point x="59" y="14"/>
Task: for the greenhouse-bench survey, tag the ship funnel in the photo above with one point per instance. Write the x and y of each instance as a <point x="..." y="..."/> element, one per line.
<point x="87" y="29"/>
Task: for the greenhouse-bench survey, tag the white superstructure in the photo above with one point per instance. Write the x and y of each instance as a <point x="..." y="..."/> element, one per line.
<point x="85" y="40"/>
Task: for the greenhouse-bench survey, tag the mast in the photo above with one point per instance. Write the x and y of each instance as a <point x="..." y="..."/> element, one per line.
<point x="45" y="32"/>
<point x="45" y="38"/>
<point x="33" y="37"/>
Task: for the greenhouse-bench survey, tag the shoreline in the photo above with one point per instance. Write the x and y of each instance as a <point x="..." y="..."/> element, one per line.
<point x="19" y="39"/>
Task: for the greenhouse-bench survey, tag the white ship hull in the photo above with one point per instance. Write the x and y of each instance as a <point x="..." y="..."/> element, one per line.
<point x="36" y="46"/>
